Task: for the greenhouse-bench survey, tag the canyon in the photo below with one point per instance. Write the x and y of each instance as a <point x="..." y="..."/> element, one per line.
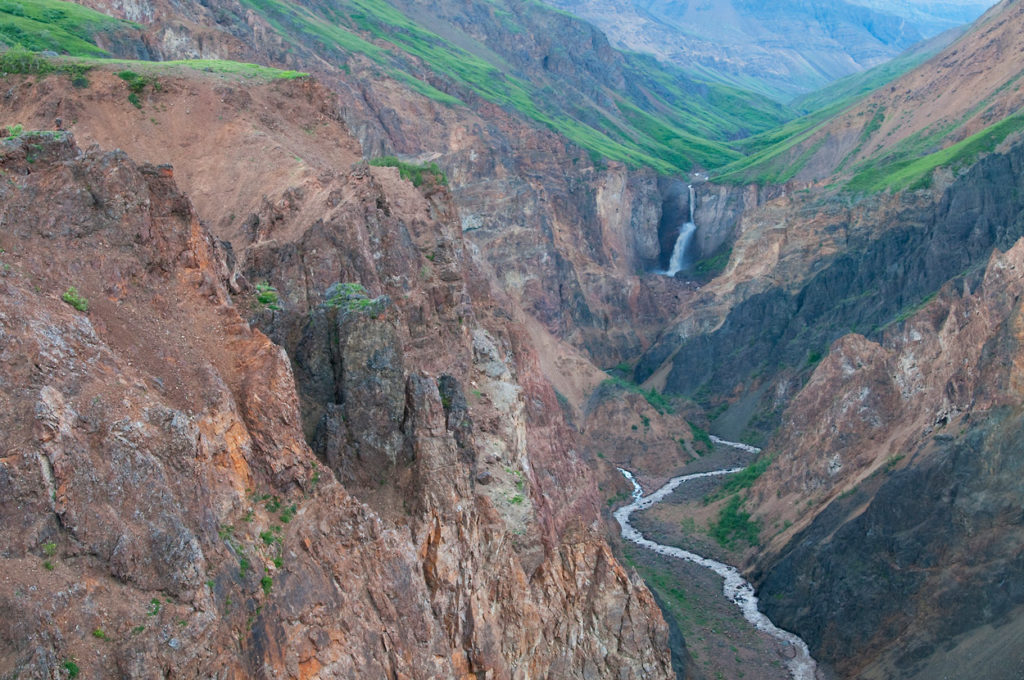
<point x="323" y="361"/>
<point x="268" y="562"/>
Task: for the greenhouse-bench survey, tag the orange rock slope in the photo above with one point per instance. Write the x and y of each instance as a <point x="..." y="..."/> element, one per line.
<point x="163" y="512"/>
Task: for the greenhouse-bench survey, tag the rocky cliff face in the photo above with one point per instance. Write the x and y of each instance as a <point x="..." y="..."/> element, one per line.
<point x="164" y="490"/>
<point x="907" y="558"/>
<point x="564" y="233"/>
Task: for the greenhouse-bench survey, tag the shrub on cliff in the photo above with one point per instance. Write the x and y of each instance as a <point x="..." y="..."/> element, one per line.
<point x="72" y="297"/>
<point x="267" y="296"/>
<point x="416" y="174"/>
<point x="352" y="297"/>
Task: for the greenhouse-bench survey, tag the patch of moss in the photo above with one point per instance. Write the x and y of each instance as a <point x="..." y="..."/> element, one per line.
<point x="416" y="174"/>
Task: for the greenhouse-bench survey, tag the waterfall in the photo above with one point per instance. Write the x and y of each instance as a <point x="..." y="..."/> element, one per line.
<point x="679" y="260"/>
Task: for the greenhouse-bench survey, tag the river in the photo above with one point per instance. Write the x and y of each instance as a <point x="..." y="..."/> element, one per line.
<point x="801" y="666"/>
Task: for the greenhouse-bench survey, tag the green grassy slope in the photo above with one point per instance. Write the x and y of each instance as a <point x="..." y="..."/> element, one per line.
<point x="659" y="118"/>
<point x="909" y="170"/>
<point x="886" y="154"/>
<point x="238" y="69"/>
<point x="62" y="27"/>
<point x="768" y="158"/>
<point x="663" y="120"/>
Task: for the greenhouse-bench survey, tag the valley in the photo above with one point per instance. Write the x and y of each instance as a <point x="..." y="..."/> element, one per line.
<point x="329" y="330"/>
<point x="781" y="49"/>
<point x="735" y="589"/>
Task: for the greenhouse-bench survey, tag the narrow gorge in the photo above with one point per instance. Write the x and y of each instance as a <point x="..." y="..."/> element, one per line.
<point x="340" y="340"/>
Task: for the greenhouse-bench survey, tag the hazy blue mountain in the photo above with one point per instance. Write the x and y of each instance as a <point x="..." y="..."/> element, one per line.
<point x="783" y="47"/>
<point x="931" y="18"/>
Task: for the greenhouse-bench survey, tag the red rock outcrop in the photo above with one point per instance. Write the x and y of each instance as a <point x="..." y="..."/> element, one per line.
<point x="162" y="509"/>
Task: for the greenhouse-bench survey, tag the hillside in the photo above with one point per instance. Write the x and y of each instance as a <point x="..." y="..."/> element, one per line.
<point x="962" y="102"/>
<point x="67" y="28"/>
<point x="511" y="140"/>
<point x="796" y="244"/>
<point x="933" y="17"/>
<point x="565" y="76"/>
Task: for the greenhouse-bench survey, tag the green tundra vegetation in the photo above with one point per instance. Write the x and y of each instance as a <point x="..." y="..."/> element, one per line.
<point x="664" y="119"/>
<point x="62" y="27"/>
<point x="679" y="125"/>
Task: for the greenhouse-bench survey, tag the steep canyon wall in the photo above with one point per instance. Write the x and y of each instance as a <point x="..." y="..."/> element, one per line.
<point x="476" y="530"/>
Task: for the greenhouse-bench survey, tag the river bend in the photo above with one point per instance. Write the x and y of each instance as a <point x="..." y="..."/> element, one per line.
<point x="801" y="666"/>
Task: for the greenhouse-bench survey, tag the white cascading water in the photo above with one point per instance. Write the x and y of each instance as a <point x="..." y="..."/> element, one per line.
<point x="679" y="261"/>
<point x="735" y="587"/>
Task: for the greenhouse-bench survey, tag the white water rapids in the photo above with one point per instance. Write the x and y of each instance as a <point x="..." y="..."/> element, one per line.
<point x="735" y="588"/>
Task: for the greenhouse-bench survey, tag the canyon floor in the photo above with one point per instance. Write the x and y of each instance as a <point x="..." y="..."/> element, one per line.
<point x="720" y="642"/>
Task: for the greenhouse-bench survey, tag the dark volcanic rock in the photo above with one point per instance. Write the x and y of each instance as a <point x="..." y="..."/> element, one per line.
<point x="932" y="553"/>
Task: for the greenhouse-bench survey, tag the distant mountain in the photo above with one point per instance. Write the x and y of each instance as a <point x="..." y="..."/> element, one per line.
<point x="931" y="17"/>
<point x="780" y="48"/>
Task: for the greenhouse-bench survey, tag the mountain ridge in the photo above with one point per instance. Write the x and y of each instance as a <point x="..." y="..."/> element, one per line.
<point x="781" y="49"/>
